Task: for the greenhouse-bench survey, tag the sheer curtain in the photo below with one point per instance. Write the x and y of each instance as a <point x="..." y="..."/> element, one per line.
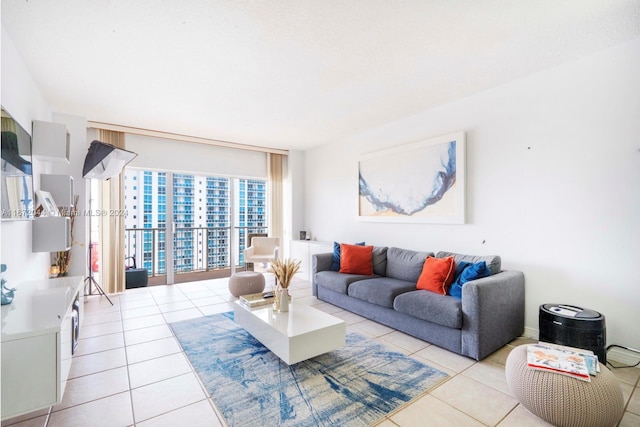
<point x="276" y="173"/>
<point x="112" y="225"/>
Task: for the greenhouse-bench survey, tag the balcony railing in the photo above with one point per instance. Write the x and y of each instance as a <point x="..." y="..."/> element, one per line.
<point x="195" y="249"/>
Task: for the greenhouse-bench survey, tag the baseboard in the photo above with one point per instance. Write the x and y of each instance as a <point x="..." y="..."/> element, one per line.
<point x="619" y="355"/>
<point x="623" y="357"/>
<point x="531" y="333"/>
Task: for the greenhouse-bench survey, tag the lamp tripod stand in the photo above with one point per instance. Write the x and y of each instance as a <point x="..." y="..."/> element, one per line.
<point x="89" y="280"/>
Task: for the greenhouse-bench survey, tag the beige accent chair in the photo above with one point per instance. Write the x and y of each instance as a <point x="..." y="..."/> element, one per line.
<point x="262" y="249"/>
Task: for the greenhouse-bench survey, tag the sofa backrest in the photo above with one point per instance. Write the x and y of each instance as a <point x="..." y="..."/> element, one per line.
<point x="379" y="258"/>
<point x="493" y="261"/>
<point x="404" y="264"/>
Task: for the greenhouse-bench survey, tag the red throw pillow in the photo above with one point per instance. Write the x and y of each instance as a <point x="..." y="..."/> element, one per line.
<point x="437" y="274"/>
<point x="356" y="259"/>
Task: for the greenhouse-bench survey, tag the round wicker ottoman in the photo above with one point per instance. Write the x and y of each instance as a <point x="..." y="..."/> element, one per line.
<point x="562" y="400"/>
<point x="246" y="282"/>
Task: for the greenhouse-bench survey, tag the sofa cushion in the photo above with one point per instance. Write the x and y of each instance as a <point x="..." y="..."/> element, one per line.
<point x="493" y="261"/>
<point x="380" y="291"/>
<point x="465" y="272"/>
<point x="437" y="275"/>
<point x="335" y="259"/>
<point x="380" y="260"/>
<point x="337" y="282"/>
<point x="404" y="264"/>
<point x="356" y="259"/>
<point x="439" y="309"/>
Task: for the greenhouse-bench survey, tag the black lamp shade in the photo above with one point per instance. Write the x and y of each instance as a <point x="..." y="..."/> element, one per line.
<point x="105" y="161"/>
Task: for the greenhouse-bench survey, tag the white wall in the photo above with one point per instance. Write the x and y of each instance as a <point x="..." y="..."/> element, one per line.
<point x="22" y="99"/>
<point x="164" y="154"/>
<point x="553" y="185"/>
<point x="294" y="198"/>
<point x="77" y="127"/>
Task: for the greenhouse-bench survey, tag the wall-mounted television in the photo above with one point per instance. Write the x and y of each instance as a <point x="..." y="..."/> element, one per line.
<point x="16" y="171"/>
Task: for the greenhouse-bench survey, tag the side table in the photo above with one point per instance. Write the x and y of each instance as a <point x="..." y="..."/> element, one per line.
<point x="246" y="282"/>
<point x="562" y="400"/>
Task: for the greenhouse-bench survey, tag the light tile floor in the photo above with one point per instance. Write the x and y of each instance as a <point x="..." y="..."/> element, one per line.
<point x="130" y="370"/>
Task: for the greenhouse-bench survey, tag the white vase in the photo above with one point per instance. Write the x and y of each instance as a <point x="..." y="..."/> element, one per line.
<point x="283" y="298"/>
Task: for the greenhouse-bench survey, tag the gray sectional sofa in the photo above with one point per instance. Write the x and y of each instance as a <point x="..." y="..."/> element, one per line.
<point x="489" y="315"/>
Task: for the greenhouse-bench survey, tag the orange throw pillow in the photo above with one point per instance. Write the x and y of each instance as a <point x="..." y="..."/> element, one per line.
<point x="437" y="274"/>
<point x="356" y="259"/>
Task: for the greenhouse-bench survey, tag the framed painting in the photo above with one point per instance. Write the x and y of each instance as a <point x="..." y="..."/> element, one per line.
<point x="421" y="182"/>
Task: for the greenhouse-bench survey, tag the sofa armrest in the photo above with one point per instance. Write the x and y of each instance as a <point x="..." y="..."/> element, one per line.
<point x="493" y="313"/>
<point x="320" y="262"/>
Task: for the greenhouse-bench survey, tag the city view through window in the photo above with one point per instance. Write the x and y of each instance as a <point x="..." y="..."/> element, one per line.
<point x="210" y="219"/>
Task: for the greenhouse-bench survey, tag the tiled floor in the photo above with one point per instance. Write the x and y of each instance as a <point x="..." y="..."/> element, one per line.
<point x="130" y="370"/>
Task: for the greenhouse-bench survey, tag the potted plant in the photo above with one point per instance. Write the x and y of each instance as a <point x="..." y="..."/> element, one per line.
<point x="284" y="270"/>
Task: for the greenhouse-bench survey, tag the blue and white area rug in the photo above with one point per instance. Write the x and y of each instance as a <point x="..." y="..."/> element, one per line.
<point x="354" y="386"/>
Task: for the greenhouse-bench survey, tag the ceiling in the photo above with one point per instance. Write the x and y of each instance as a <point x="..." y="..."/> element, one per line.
<point x="293" y="74"/>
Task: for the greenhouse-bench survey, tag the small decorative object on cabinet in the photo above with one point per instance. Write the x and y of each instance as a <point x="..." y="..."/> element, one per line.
<point x="7" y="294"/>
<point x="51" y="141"/>
<point x="54" y="271"/>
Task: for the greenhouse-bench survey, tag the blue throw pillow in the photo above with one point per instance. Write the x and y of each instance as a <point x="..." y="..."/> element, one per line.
<point x="335" y="259"/>
<point x="465" y="272"/>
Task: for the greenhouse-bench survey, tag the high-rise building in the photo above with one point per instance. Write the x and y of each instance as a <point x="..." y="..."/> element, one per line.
<point x="202" y="217"/>
<point x="218" y="221"/>
<point x="252" y="215"/>
<point x="145" y="200"/>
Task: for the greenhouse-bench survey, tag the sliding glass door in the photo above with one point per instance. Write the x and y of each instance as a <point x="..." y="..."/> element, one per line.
<point x="185" y="227"/>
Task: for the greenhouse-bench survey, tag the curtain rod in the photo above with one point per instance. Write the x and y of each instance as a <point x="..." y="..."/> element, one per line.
<point x="185" y="138"/>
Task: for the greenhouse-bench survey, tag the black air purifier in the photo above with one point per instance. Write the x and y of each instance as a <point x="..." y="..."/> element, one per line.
<point x="574" y="327"/>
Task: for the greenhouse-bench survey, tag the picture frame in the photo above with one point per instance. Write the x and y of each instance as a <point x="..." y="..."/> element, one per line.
<point x="420" y="182"/>
<point x="49" y="207"/>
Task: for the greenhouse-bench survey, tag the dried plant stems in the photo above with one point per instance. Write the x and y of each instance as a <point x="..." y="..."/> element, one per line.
<point x="284" y="270"/>
<point x="62" y="259"/>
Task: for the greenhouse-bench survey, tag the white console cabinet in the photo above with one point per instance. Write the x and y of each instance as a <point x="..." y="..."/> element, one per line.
<point x="38" y="331"/>
<point x="304" y="250"/>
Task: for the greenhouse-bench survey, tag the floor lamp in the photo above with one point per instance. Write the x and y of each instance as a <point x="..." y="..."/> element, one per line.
<point x="103" y="162"/>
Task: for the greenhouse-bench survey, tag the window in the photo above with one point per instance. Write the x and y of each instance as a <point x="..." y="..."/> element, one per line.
<point x="210" y="209"/>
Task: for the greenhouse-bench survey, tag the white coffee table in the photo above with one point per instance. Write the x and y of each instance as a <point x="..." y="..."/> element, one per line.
<point x="299" y="334"/>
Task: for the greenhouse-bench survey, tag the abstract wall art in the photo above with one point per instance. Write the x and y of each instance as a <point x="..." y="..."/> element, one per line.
<point x="419" y="182"/>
